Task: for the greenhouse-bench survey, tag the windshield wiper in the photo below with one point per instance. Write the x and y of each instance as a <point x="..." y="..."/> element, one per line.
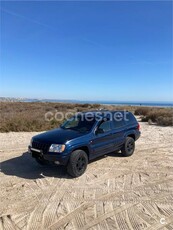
<point x="69" y="128"/>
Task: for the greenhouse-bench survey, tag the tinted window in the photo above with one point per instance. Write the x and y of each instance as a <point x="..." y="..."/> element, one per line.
<point x="79" y="124"/>
<point x="118" y="124"/>
<point x="118" y="119"/>
<point x="106" y="126"/>
<point x="130" y="118"/>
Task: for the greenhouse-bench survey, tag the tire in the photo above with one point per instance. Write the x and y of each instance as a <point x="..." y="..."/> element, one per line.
<point x="41" y="161"/>
<point x="77" y="163"/>
<point x="129" y="147"/>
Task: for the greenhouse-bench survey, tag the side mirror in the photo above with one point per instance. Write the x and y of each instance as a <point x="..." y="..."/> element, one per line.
<point x="99" y="130"/>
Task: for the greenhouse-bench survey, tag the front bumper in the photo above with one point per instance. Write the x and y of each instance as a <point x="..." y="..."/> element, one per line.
<point x="58" y="158"/>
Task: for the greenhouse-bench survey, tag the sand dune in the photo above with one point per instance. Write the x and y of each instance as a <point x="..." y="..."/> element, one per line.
<point x="114" y="193"/>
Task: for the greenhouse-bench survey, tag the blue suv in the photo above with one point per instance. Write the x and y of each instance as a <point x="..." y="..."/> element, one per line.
<point x="84" y="137"/>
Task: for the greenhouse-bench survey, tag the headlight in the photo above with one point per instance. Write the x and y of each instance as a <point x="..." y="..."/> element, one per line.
<point x="56" y="148"/>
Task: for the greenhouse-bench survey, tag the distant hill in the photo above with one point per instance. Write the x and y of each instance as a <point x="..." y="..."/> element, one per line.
<point x="16" y="99"/>
<point x="10" y="99"/>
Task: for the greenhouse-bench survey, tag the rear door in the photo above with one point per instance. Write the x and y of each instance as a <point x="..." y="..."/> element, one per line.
<point x="118" y="130"/>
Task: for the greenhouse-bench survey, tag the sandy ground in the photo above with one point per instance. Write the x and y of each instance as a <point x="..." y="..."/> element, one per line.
<point x="114" y="193"/>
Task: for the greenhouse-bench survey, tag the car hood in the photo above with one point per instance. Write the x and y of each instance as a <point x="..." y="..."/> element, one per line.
<point x="57" y="136"/>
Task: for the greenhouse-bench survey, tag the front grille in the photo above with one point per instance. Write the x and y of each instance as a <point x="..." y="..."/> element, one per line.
<point x="41" y="146"/>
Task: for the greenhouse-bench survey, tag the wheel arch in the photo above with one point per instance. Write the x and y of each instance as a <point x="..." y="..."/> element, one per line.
<point x="132" y="135"/>
<point x="84" y="148"/>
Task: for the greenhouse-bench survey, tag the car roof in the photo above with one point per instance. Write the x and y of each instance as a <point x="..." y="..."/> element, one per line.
<point x="102" y="112"/>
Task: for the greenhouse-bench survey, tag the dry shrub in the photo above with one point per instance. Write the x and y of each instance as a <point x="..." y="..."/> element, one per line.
<point x="160" y="116"/>
<point x="165" y="121"/>
<point x="142" y="111"/>
<point x="23" y="116"/>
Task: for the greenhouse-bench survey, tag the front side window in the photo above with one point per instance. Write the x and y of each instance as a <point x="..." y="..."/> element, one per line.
<point x="105" y="126"/>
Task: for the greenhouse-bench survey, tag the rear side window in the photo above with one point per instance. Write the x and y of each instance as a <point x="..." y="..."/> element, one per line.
<point x="118" y="124"/>
<point x="130" y="118"/>
<point x="118" y="120"/>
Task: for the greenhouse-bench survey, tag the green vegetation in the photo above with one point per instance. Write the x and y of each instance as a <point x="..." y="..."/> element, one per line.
<point x="22" y="116"/>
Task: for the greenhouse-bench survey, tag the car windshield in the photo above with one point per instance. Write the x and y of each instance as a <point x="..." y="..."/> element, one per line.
<point x="78" y="123"/>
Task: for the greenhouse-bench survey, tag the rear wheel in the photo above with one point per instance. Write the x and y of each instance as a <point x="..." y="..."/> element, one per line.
<point x="129" y="147"/>
<point x="77" y="163"/>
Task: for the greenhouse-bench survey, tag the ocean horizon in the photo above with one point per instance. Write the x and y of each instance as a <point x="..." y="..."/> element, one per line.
<point x="119" y="103"/>
<point x="102" y="102"/>
<point x="140" y="104"/>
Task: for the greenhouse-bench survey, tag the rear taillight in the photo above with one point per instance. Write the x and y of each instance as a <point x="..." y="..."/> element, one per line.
<point x="138" y="127"/>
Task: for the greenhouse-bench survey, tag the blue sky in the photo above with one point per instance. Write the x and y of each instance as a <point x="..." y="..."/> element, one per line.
<point x="118" y="51"/>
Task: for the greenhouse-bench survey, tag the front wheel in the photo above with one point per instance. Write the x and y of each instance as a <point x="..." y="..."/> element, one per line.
<point x="129" y="147"/>
<point x="77" y="163"/>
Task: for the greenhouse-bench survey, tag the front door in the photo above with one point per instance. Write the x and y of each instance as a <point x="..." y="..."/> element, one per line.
<point x="102" y="142"/>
